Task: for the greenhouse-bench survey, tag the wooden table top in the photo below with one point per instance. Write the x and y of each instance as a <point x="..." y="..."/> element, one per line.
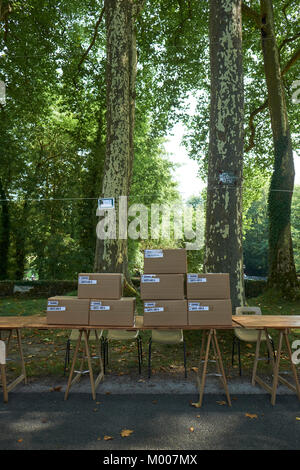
<point x="40" y="322"/>
<point x="278" y="322"/>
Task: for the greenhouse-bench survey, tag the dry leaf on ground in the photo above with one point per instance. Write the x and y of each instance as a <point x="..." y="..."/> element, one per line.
<point x="107" y="438"/>
<point x="196" y="405"/>
<point x="126" y="432"/>
<point x="249" y="415"/>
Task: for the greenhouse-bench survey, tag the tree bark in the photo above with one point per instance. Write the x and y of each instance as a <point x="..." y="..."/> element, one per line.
<point x="120" y="15"/>
<point x="223" y="247"/>
<point x="282" y="272"/>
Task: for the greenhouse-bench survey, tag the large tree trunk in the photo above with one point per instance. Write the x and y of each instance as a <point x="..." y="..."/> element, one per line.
<point x="111" y="254"/>
<point x="282" y="272"/>
<point x="4" y="233"/>
<point x="223" y="248"/>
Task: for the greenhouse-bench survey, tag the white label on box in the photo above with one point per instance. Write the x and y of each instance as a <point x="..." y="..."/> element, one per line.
<point x="154" y="309"/>
<point x="87" y="281"/>
<point x="150" y="278"/>
<point x="95" y="302"/>
<point x="52" y="302"/>
<point x="149" y="304"/>
<point x="100" y="307"/>
<point x="56" y="309"/>
<point x="154" y="254"/>
<point x="194" y="278"/>
<point x="196" y="307"/>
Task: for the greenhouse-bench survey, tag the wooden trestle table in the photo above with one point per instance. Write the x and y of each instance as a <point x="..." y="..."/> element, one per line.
<point x="209" y="339"/>
<point x="282" y="323"/>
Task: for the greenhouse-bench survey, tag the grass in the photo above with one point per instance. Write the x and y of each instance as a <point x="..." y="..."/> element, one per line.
<point x="44" y="350"/>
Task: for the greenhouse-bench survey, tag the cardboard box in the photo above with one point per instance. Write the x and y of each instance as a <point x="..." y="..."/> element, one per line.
<point x="165" y="313"/>
<point x="209" y="312"/>
<point x="208" y="286"/>
<point x="100" y="285"/>
<point x="66" y="310"/>
<point x="109" y="312"/>
<point x="165" y="261"/>
<point x="162" y="286"/>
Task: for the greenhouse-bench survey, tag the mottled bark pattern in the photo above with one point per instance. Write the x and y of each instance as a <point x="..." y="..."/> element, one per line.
<point x="224" y="201"/>
<point x="282" y="273"/>
<point x="111" y="255"/>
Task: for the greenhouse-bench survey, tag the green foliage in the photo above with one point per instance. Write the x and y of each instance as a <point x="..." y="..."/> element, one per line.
<point x="295" y="221"/>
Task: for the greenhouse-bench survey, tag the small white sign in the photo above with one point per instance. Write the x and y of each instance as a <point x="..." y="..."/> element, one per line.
<point x="149" y="304"/>
<point x="196" y="307"/>
<point x="154" y="254"/>
<point x="146" y="278"/>
<point x="154" y="309"/>
<point x="100" y="307"/>
<point x="56" y="309"/>
<point x="94" y="302"/>
<point x="52" y="302"/>
<point x="105" y="203"/>
<point x="194" y="278"/>
<point x="86" y="280"/>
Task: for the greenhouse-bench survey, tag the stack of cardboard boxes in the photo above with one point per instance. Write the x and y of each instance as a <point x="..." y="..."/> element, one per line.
<point x="99" y="303"/>
<point x="209" y="299"/>
<point x="163" y="287"/>
<point x="173" y="297"/>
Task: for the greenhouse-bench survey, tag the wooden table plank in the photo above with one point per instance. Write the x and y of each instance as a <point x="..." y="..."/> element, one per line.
<point x="40" y="322"/>
<point x="278" y="322"/>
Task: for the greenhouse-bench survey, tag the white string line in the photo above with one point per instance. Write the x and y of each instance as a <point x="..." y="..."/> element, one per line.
<point x="152" y="194"/>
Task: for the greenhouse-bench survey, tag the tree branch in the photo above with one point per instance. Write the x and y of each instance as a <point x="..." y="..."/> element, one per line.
<point x="258" y="110"/>
<point x="252" y="14"/>
<point x="287" y="40"/>
<point x="291" y="62"/>
<point x="92" y="41"/>
<point x="286" y="68"/>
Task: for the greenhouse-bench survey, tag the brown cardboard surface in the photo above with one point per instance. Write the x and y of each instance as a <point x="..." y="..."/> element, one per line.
<point x="99" y="285"/>
<point x="165" y="313"/>
<point x="208" y="286"/>
<point x="66" y="310"/>
<point x="170" y="261"/>
<point x="162" y="286"/>
<point x="109" y="312"/>
<point x="210" y="312"/>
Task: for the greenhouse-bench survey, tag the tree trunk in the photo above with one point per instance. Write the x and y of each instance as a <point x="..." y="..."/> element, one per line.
<point x="20" y="239"/>
<point x="4" y="233"/>
<point x="111" y="254"/>
<point x="223" y="247"/>
<point x="282" y="272"/>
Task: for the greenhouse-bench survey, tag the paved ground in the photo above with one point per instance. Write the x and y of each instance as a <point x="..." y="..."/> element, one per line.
<point x="158" y="412"/>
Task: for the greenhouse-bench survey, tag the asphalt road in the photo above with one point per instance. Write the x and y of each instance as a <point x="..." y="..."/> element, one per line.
<point x="37" y="421"/>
